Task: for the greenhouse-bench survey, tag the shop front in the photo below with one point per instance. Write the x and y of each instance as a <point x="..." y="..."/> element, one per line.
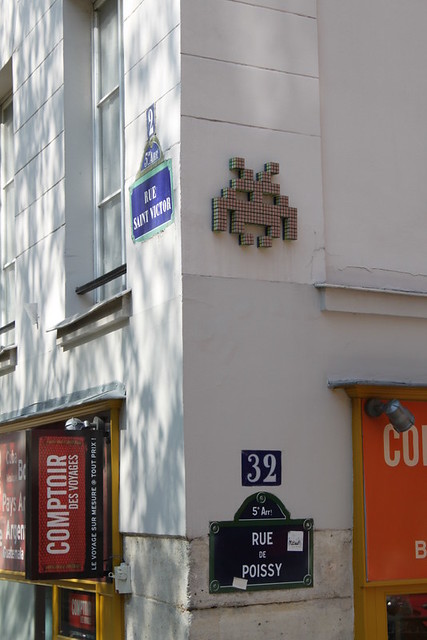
<point x="390" y="514"/>
<point x="59" y="538"/>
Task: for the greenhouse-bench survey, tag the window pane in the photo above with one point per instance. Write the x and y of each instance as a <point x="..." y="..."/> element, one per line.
<point x="407" y="617"/>
<point x="78" y="615"/>
<point x="7" y="155"/>
<point x="8" y="294"/>
<point x="7" y="217"/>
<point x="111" y="246"/>
<point x="110" y="146"/>
<point x="108" y="47"/>
<point x="9" y="223"/>
<point x="108" y="161"/>
<point x="111" y="233"/>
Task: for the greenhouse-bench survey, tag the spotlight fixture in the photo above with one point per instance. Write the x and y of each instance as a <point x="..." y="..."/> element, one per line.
<point x="400" y="417"/>
<point x="75" y="424"/>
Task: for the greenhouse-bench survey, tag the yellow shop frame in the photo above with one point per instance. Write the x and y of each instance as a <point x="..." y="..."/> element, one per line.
<point x="370" y="597"/>
<point x="109" y="613"/>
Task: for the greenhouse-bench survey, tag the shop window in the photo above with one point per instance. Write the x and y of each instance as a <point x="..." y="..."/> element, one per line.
<point x="407" y="616"/>
<point x="38" y="456"/>
<point x="78" y="615"/>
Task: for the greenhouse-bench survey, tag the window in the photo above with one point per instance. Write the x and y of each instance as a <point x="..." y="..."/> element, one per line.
<point x="7" y="217"/>
<point x="109" y="231"/>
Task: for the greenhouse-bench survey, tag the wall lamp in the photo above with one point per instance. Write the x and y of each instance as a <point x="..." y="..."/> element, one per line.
<point x="400" y="417"/>
<point x="75" y="424"/>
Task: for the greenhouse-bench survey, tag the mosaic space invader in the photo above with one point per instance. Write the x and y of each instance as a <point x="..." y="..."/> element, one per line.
<point x="254" y="202"/>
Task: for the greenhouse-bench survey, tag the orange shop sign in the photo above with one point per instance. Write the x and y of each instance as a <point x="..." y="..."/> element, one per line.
<point x="395" y="486"/>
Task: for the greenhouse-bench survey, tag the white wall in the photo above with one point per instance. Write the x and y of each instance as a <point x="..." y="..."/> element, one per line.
<point x="251" y="89"/>
<point x="152" y="492"/>
<point x="374" y="141"/>
<point x="37" y="66"/>
<point x="258" y="345"/>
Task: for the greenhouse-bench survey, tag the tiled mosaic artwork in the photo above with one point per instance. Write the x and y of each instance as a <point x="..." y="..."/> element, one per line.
<point x="254" y="202"/>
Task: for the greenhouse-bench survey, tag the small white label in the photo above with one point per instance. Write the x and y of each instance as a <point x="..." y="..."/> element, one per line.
<point x="295" y="541"/>
<point x="240" y="583"/>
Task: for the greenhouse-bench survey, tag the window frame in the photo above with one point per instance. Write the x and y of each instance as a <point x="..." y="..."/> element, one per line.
<point x="117" y="283"/>
<point x="8" y="266"/>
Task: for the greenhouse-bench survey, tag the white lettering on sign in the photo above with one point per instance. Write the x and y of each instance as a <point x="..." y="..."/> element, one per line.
<point x="15" y="532"/>
<point x="263" y="468"/>
<point x="58" y="522"/>
<point x="150" y="194"/>
<point x="405" y="448"/>
<point x="81" y="607"/>
<point x="11" y="457"/>
<point x="140" y="220"/>
<point x="263" y="570"/>
<point x="73" y="481"/>
<point x="420" y="549"/>
<point x="262" y="538"/>
<point x="161" y="207"/>
<point x="9" y="503"/>
<point x="22" y="470"/>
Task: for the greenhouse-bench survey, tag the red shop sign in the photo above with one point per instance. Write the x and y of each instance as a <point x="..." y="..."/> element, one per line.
<point x="65" y="511"/>
<point x="395" y="487"/>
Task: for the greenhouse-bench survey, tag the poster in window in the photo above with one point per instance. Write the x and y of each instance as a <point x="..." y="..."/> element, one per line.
<point x="65" y="510"/>
<point x="12" y="502"/>
<point x="78" y="615"/>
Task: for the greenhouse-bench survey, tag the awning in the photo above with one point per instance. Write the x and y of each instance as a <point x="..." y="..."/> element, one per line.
<point x="343" y="383"/>
<point x="110" y="391"/>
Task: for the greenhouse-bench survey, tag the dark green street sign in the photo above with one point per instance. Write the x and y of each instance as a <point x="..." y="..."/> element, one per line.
<point x="262" y="548"/>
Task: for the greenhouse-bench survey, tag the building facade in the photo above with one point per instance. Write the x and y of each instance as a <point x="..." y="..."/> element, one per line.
<point x="212" y="242"/>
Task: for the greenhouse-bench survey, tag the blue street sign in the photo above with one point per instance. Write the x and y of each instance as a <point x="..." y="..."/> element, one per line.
<point x="152" y="202"/>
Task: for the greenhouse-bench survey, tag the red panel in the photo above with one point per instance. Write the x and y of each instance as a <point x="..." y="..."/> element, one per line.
<point x="62" y="511"/>
<point x="395" y="482"/>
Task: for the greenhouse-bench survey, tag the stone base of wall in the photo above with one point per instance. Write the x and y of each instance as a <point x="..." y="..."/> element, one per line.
<point x="157" y="609"/>
<point x="310" y="620"/>
<point x="170" y="595"/>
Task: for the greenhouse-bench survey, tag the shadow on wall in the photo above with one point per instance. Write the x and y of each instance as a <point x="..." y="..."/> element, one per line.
<point x="152" y="458"/>
<point x="147" y="359"/>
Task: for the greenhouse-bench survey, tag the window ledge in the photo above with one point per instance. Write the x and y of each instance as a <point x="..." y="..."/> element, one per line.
<point x="8" y="359"/>
<point x="365" y="300"/>
<point x="102" y="318"/>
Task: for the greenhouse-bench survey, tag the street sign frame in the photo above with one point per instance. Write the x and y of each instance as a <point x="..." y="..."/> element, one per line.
<point x="262" y="548"/>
